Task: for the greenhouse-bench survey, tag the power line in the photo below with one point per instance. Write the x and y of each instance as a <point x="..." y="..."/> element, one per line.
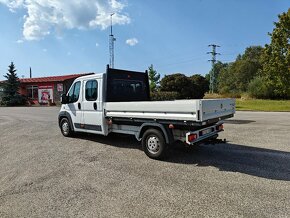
<point x="185" y="61"/>
<point x="178" y="62"/>
<point x="212" y="74"/>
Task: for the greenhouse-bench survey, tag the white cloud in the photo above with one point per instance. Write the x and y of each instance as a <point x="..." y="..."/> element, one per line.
<point x="44" y="17"/>
<point x="13" y="4"/>
<point x="19" y="41"/>
<point x="132" y="41"/>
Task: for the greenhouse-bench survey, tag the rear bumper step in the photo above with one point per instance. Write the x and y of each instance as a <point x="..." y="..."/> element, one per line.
<point x="203" y="134"/>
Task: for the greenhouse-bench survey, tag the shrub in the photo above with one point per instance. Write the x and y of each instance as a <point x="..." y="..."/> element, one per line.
<point x="163" y="96"/>
<point x="193" y="87"/>
<point x="258" y="88"/>
<point x="17" y="100"/>
<point x="225" y="95"/>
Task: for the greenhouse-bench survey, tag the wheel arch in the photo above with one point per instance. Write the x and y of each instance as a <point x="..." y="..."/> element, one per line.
<point x="64" y="114"/>
<point x="165" y="131"/>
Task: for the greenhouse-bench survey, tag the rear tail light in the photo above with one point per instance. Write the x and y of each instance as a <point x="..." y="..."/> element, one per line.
<point x="220" y="127"/>
<point x="192" y="137"/>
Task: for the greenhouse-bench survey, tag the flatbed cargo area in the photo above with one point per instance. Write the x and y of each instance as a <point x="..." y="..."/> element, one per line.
<point x="181" y="110"/>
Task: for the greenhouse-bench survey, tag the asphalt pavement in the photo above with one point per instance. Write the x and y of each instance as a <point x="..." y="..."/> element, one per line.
<point x="43" y="174"/>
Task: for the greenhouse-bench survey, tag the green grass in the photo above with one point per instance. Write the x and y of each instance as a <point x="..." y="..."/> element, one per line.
<point x="262" y="105"/>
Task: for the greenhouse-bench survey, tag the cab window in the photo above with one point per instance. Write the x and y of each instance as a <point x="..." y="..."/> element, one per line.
<point x="74" y="92"/>
<point x="91" y="90"/>
<point x="129" y="90"/>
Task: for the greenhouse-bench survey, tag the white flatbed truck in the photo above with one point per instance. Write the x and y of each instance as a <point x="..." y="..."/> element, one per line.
<point x="118" y="101"/>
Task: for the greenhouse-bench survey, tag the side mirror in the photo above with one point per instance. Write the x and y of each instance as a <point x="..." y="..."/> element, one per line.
<point x="64" y="99"/>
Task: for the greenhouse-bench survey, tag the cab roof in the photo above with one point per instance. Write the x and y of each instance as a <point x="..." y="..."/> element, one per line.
<point x="91" y="76"/>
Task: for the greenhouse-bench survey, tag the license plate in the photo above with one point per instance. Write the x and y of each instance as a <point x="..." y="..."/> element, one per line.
<point x="206" y="131"/>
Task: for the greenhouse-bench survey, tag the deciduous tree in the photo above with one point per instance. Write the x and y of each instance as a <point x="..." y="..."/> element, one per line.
<point x="200" y="85"/>
<point x="177" y="83"/>
<point x="193" y="87"/>
<point x="235" y="77"/>
<point x="276" y="58"/>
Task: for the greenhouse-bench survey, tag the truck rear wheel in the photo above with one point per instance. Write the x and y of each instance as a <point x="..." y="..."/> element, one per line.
<point x="154" y="144"/>
<point x="65" y="127"/>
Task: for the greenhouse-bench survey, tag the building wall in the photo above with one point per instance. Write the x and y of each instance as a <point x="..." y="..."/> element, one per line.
<point x="66" y="85"/>
<point x="44" y="89"/>
<point x="22" y="90"/>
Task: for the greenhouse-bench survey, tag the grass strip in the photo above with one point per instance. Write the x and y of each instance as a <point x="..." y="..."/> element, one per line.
<point x="262" y="105"/>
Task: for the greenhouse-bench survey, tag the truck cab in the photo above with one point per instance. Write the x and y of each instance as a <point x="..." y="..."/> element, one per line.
<point x="84" y="102"/>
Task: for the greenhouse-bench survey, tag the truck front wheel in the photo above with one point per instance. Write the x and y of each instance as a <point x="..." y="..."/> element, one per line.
<point x="65" y="127"/>
<point x="154" y="144"/>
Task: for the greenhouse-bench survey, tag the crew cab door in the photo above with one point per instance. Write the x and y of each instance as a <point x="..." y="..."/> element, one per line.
<point x="93" y="107"/>
<point x="74" y="105"/>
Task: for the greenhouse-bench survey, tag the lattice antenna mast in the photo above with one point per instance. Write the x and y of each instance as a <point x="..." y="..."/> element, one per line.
<point x="212" y="80"/>
<point x="112" y="40"/>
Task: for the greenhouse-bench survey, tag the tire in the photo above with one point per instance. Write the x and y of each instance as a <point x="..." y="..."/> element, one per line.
<point x="154" y="144"/>
<point x="65" y="127"/>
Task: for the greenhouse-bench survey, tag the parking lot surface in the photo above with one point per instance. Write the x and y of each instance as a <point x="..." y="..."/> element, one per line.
<point x="43" y="174"/>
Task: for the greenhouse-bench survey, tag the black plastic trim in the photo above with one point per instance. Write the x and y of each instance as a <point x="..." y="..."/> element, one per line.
<point x="88" y="127"/>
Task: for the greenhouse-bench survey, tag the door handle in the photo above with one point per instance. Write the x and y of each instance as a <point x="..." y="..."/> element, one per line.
<point x="95" y="106"/>
<point x="79" y="106"/>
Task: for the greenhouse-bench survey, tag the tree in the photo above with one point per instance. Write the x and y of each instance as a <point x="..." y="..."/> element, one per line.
<point x="177" y="83"/>
<point x="11" y="97"/>
<point x="193" y="87"/>
<point x="258" y="88"/>
<point x="226" y="80"/>
<point x="154" y="78"/>
<point x="217" y="68"/>
<point x="253" y="54"/>
<point x="235" y="77"/>
<point x="200" y="84"/>
<point x="276" y="58"/>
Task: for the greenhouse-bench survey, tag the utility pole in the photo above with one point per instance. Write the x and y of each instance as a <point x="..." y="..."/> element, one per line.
<point x="112" y="39"/>
<point x="212" y="79"/>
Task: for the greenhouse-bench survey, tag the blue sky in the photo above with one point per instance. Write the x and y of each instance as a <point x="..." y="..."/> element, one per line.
<point x="71" y="36"/>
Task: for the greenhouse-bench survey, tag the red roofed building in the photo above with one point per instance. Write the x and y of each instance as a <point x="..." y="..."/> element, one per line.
<point x="44" y="89"/>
